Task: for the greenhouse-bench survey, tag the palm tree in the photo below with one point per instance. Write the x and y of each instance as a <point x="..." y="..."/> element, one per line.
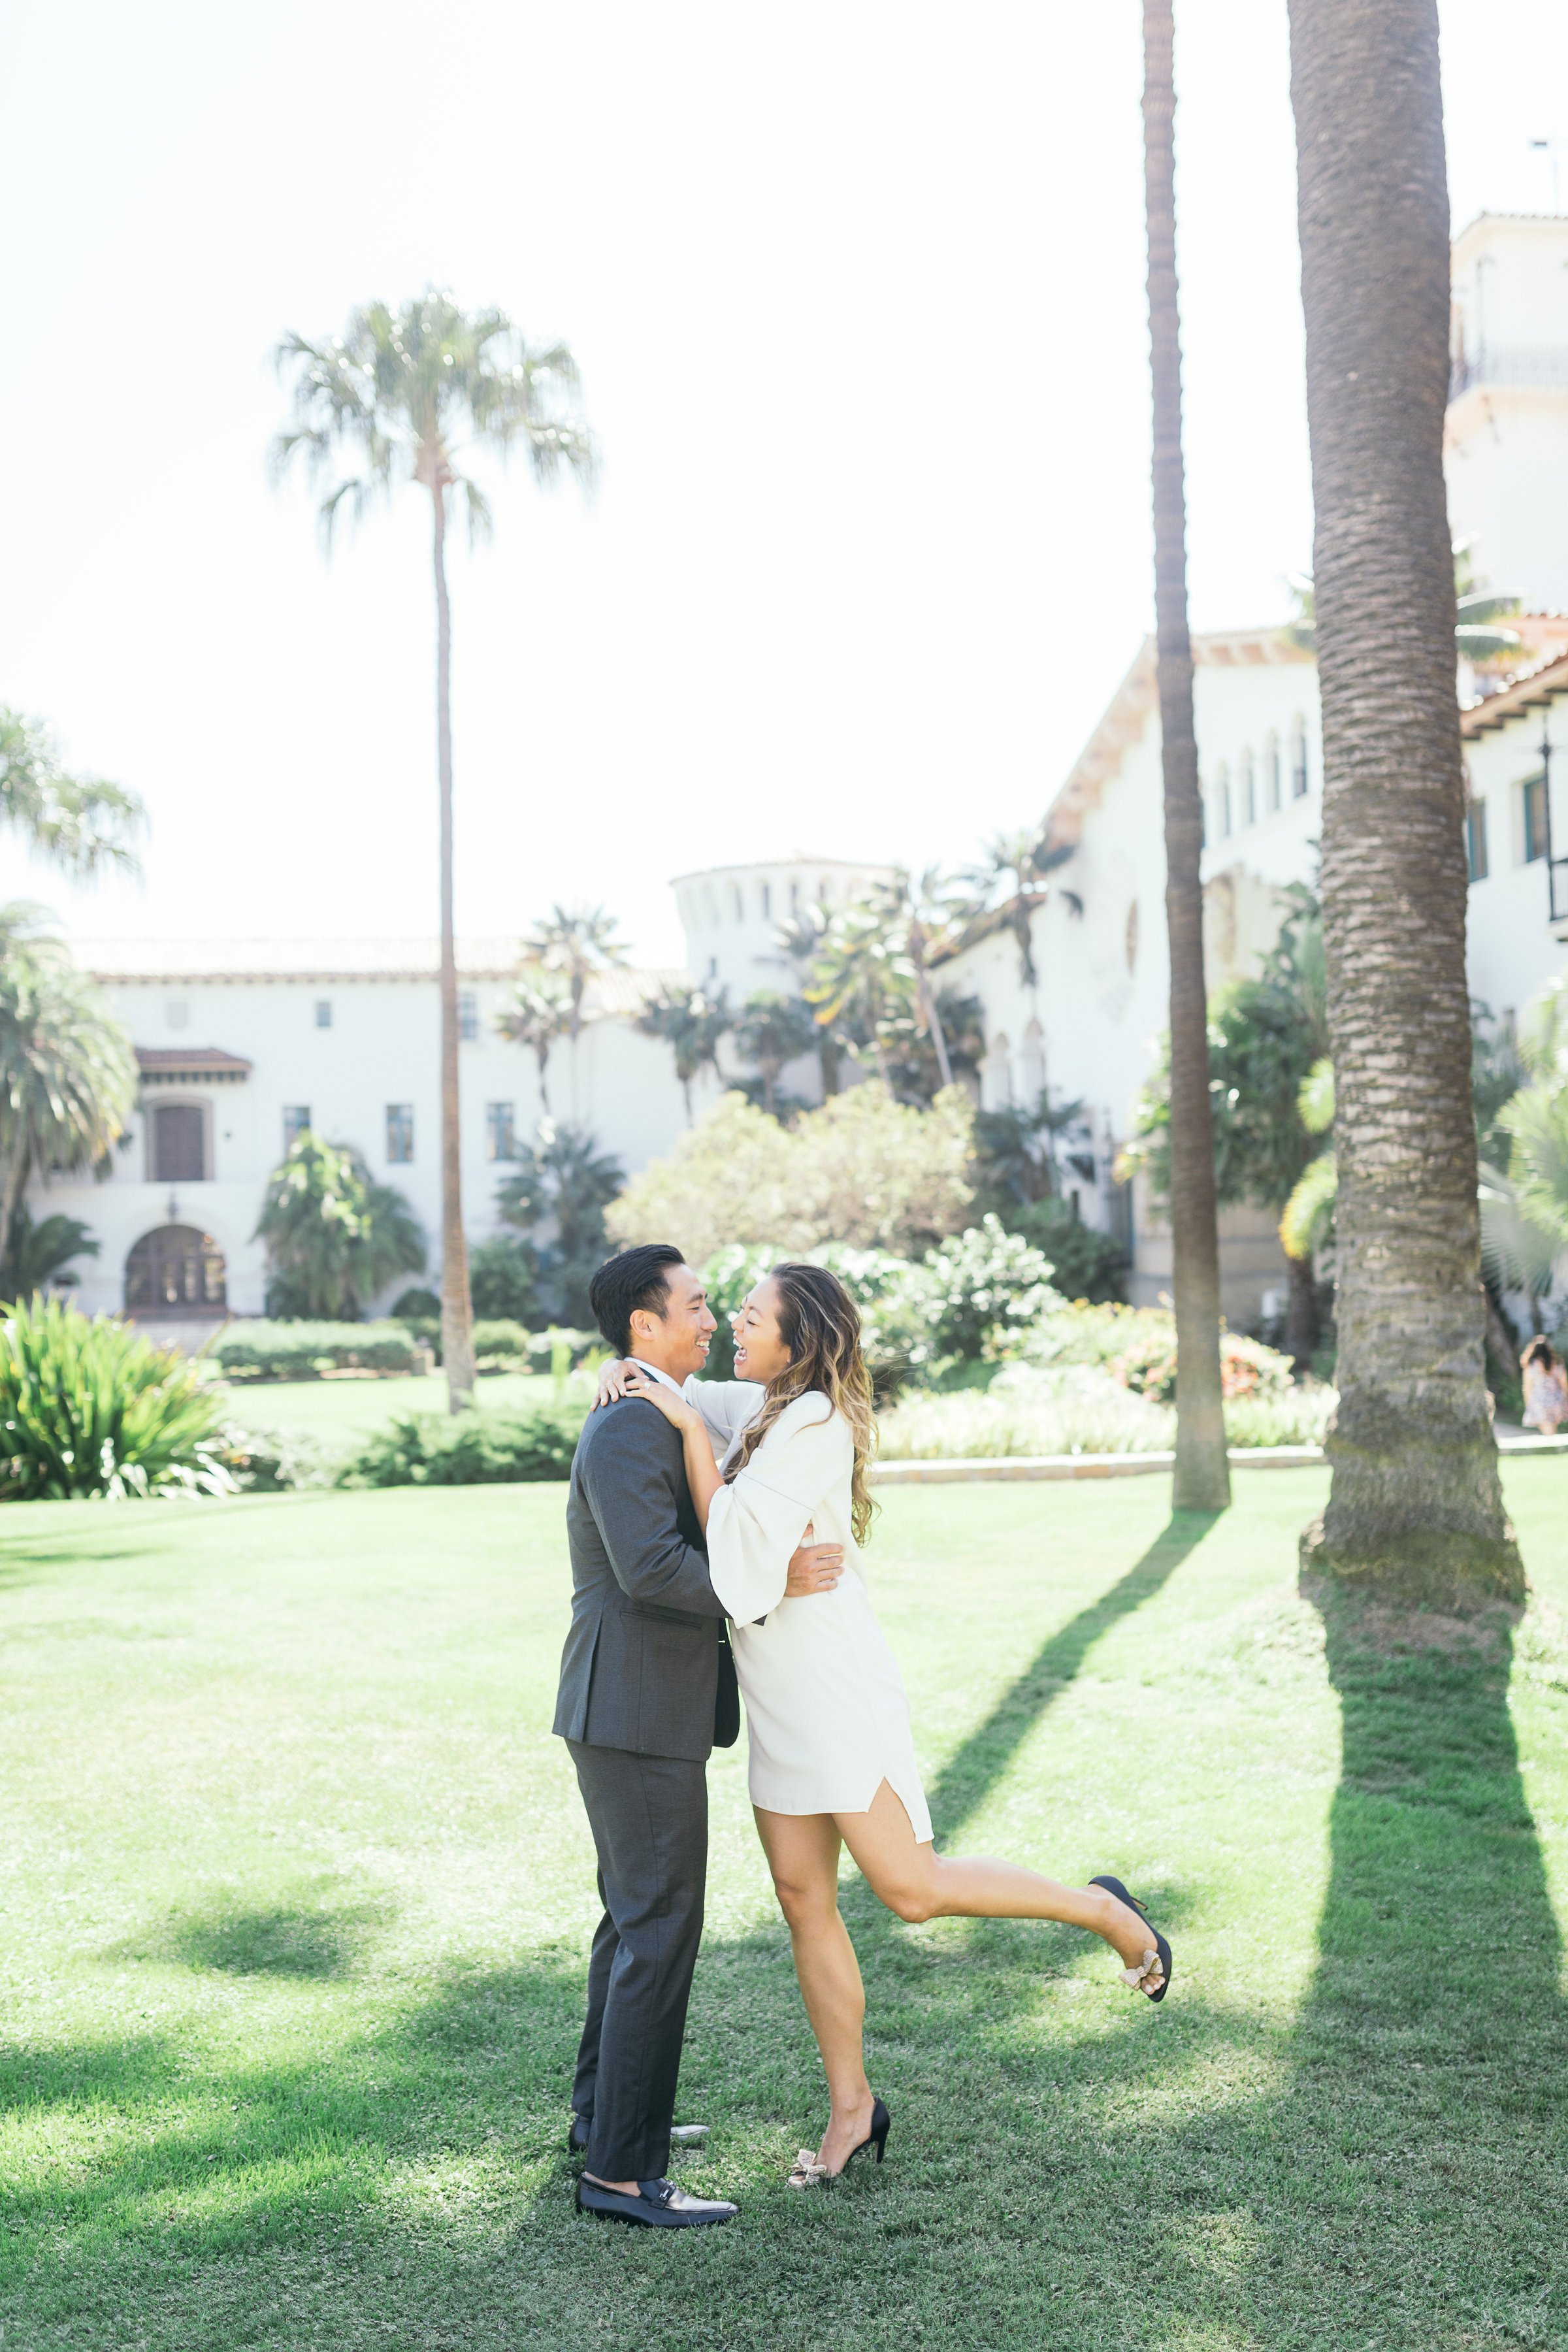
<point x="576" y="943"/>
<point x="68" y="1076"/>
<point x="691" y="1024"/>
<point x="79" y="823"/>
<point x="406" y="391"/>
<point x="799" y="940"/>
<point x="1203" y="1475"/>
<point x="771" y="1031"/>
<point x="863" y="981"/>
<point x="37" y="1256"/>
<point x="927" y="905"/>
<point x="540" y="1014"/>
<point x="1478" y="609"/>
<point x="1008" y="863"/>
<point x="1416" y="1504"/>
<point x="334" y="1236"/>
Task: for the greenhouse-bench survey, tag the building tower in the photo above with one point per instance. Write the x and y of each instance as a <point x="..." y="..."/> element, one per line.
<point x="1506" y="445"/>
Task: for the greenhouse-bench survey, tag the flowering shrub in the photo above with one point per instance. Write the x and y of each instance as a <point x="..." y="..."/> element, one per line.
<point x="1137" y="1345"/>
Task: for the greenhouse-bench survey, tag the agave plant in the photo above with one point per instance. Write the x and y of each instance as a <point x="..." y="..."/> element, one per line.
<point x="88" y="1408"/>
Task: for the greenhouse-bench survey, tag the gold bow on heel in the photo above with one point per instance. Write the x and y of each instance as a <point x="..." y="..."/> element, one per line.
<point x="807" y="2172"/>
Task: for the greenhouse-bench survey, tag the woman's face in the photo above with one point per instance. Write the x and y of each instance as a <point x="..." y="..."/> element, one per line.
<point x="760" y="1351"/>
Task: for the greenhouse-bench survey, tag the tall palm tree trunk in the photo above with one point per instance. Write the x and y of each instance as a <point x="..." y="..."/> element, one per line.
<point x="1202" y="1472"/>
<point x="457" y="1306"/>
<point x="927" y="997"/>
<point x="1416" y="1506"/>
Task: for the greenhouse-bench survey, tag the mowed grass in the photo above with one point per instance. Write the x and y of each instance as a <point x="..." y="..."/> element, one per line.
<point x="338" y="1411"/>
<point x="299" y="1893"/>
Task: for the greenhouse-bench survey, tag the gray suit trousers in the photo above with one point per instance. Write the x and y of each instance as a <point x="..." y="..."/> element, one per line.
<point x="649" y="1818"/>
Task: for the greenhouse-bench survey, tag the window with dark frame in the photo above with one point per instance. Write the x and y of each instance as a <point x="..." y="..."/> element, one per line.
<point x="1476" y="840"/>
<point x="400" y="1134"/>
<point x="501" y="1131"/>
<point x="1534" y="797"/>
<point x="467" y="1015"/>
<point x="1299" y="760"/>
<point x="296" y="1120"/>
<point x="179" y="1144"/>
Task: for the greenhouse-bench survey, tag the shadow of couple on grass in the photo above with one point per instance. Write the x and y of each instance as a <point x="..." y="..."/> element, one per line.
<point x="1378" y="2171"/>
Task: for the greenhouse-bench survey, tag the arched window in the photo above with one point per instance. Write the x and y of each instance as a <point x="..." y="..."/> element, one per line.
<point x="996" y="1076"/>
<point x="1222" y="801"/>
<point x="1298" y="758"/>
<point x="175" y="1270"/>
<point x="765" y="899"/>
<point x="738" y="903"/>
<point x="1032" y="1063"/>
<point x="1246" y="783"/>
<point x="1271" y="770"/>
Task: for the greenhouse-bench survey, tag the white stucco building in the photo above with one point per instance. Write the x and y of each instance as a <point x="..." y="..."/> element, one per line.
<point x="1092" y="1021"/>
<point x="242" y="1043"/>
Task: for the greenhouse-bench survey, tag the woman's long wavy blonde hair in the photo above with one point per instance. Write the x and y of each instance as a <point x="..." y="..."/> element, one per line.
<point x="819" y="1323"/>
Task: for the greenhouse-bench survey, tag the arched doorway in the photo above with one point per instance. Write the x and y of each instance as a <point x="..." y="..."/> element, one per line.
<point x="176" y="1270"/>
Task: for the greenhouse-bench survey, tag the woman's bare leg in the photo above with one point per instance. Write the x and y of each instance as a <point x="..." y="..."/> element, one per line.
<point x="918" y="1882"/>
<point x="803" y="1855"/>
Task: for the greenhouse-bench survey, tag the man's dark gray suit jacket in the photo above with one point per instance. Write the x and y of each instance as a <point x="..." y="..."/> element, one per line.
<point x="648" y="1664"/>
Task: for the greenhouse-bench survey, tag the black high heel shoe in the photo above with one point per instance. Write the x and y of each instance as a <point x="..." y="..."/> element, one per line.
<point x="806" y="2173"/>
<point x="1114" y="1886"/>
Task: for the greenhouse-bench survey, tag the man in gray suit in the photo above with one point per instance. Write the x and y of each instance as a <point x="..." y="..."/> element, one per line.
<point x="648" y="1689"/>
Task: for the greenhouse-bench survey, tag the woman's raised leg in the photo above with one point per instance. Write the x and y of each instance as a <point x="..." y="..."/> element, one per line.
<point x="802" y="1855"/>
<point x="918" y="1882"/>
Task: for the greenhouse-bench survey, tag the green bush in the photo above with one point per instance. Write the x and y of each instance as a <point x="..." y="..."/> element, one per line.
<point x="265" y="1350"/>
<point x="501" y="1346"/>
<point x="1085" y="1262"/>
<point x="417" y="1307"/>
<point x="89" y="1408"/>
<point x="468" y="1449"/>
<point x="277" y="1462"/>
<point x="983" y="1291"/>
<point x="1138" y="1346"/>
<point x="503" y="1279"/>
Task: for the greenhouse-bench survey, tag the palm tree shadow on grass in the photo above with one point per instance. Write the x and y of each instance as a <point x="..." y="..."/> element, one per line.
<point x="1431" y="2055"/>
<point x="974" y="1770"/>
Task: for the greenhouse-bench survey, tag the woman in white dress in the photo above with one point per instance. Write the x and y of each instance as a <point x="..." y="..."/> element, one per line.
<point x="832" y="1757"/>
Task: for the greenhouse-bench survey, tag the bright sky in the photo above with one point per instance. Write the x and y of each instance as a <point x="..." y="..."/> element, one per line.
<point x="855" y="287"/>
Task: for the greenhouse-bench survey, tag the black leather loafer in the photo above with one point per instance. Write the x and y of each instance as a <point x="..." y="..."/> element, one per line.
<point x="577" y="2138"/>
<point x="657" y="2205"/>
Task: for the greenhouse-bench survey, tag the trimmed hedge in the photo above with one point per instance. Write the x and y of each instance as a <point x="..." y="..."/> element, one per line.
<point x="269" y="1351"/>
<point x="470" y="1449"/>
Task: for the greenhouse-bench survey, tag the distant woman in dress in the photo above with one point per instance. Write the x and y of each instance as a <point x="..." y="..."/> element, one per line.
<point x="1545" y="1388"/>
<point x="831" y="1757"/>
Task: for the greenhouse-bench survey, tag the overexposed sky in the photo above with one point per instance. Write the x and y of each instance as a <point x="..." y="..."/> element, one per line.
<point x="856" y="292"/>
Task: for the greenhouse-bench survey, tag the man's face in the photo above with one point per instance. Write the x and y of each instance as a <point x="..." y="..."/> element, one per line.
<point x="676" y="1341"/>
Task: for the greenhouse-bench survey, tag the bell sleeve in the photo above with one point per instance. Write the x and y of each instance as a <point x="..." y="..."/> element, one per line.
<point x="726" y="1407"/>
<point x="756" y="1522"/>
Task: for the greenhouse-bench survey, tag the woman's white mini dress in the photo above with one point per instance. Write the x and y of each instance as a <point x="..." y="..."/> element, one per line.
<point x="825" y="1711"/>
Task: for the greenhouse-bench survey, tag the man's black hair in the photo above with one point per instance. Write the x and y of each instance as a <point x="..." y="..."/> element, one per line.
<point x="638" y="1277"/>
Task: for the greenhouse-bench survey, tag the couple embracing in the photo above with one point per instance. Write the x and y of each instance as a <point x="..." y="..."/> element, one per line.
<point x="714" y="1528"/>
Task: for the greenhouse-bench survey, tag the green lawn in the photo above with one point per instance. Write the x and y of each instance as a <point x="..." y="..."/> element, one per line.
<point x="297" y="1892"/>
<point x="339" y="1411"/>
